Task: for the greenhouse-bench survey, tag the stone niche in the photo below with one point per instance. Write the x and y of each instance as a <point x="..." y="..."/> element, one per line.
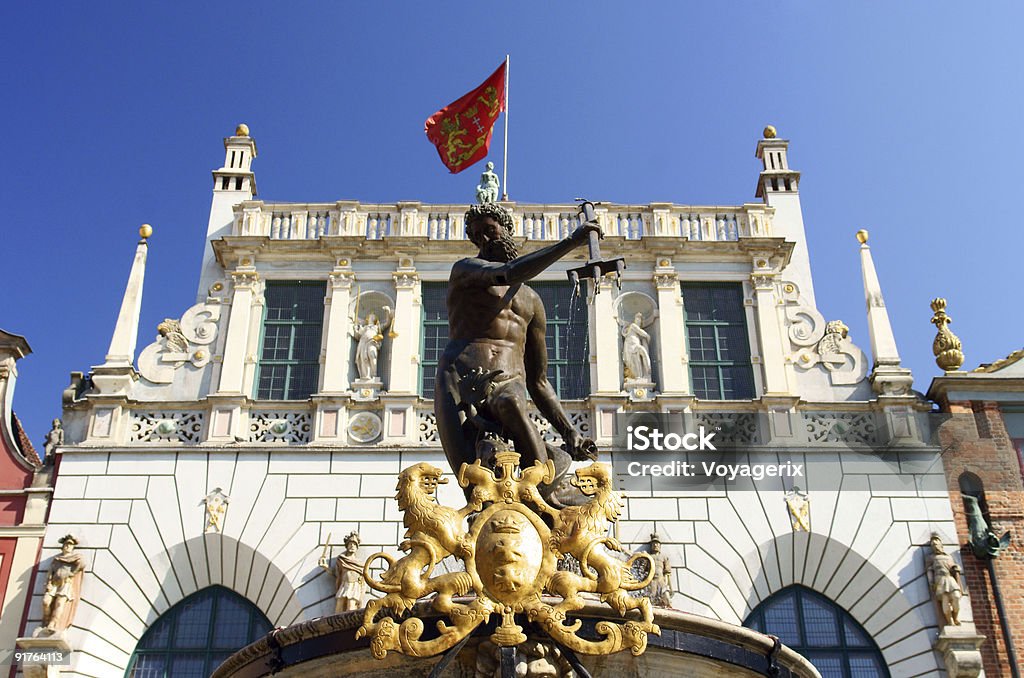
<point x="689" y="645"/>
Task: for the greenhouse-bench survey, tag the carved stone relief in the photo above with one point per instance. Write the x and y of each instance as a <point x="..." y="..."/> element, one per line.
<point x="179" y="342"/>
<point x="816" y="343"/>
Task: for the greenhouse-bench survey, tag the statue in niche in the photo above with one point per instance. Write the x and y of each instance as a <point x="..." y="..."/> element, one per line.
<point x="660" y="589"/>
<point x="497" y="332"/>
<point x="489" y="186"/>
<point x="348" y="575"/>
<point x="54" y="439"/>
<point x="216" y="507"/>
<point x="370" y="335"/>
<point x="63" y="586"/>
<point x="636" y="354"/>
<point x="944" y="575"/>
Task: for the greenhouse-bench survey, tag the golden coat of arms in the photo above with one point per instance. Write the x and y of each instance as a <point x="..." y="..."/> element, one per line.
<point x="510" y="549"/>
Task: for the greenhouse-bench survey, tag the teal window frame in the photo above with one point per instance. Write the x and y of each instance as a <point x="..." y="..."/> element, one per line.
<point x="728" y="340"/>
<point x="161" y="652"/>
<point x="433" y="332"/>
<point x="301" y="353"/>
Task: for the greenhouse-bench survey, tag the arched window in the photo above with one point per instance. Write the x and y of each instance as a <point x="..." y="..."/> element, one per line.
<point x="192" y="638"/>
<point x="820" y="630"/>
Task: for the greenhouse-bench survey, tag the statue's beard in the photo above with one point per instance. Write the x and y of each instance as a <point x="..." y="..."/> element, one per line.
<point x="501" y="249"/>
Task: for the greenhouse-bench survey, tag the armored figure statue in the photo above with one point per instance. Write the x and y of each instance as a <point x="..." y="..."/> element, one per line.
<point x="487" y="191"/>
<point x="496" y="328"/>
<point x="636" y="357"/>
<point x="348" y="576"/>
<point x="944" y="574"/>
<point x="660" y="588"/>
<point x="63" y="584"/>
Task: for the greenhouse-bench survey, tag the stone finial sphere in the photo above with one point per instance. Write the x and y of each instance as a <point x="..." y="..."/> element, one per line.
<point x="862" y="236"/>
<point x="145" y="231"/>
<point x="770" y="132"/>
<point x="242" y="130"/>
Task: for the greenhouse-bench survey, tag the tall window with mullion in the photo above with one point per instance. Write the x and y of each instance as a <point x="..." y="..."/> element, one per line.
<point x="566" y="338"/>
<point x="716" y="336"/>
<point x="289" y="367"/>
<point x="435" y="333"/>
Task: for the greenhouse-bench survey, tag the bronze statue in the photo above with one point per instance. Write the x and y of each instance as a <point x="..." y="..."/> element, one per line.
<point x="496" y="328"/>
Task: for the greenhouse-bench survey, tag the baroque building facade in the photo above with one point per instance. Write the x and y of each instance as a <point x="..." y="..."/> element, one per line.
<point x="207" y="481"/>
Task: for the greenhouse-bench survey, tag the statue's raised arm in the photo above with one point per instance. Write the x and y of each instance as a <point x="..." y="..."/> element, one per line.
<point x="496" y="324"/>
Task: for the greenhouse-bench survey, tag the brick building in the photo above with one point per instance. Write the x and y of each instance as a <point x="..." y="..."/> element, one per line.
<point x="983" y="443"/>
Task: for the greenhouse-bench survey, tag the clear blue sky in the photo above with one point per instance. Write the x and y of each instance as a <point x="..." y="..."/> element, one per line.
<point x="903" y="117"/>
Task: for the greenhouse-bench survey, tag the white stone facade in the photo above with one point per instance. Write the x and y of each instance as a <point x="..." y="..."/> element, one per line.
<point x="141" y="456"/>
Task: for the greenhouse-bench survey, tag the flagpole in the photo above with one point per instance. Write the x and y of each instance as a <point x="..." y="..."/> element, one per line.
<point x="504" y="164"/>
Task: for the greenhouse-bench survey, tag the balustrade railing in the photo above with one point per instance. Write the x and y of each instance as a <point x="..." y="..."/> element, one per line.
<point x="533" y="222"/>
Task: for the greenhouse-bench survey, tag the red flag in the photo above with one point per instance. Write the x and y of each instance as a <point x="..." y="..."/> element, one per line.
<point x="462" y="129"/>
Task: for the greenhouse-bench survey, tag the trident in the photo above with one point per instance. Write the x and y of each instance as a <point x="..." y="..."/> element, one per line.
<point x="596" y="266"/>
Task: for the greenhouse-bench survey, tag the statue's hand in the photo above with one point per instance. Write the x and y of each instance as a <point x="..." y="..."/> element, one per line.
<point x="578" y="447"/>
<point x="322" y="563"/>
<point x="582" y="234"/>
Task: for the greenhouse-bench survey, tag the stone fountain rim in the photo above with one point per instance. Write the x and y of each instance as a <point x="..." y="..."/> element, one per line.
<point x="668" y="619"/>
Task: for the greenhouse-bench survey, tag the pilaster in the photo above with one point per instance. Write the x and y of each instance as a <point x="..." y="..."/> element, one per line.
<point x="337" y="328"/>
<point x="405" y="344"/>
<point x="607" y="363"/>
<point x="769" y="330"/>
<point x="675" y="372"/>
<point x="244" y="282"/>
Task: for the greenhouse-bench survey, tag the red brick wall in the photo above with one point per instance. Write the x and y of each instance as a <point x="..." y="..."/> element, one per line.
<point x="975" y="440"/>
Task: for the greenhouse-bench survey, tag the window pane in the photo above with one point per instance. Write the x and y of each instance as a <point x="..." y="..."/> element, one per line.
<point x="193" y="625"/>
<point x="149" y="666"/>
<point x="232" y="628"/>
<point x="828" y="665"/>
<point x="865" y="667"/>
<point x="819" y="624"/>
<point x="854" y="637"/>
<point x="158" y="635"/>
<point x="189" y="666"/>
<point x="780" y="620"/>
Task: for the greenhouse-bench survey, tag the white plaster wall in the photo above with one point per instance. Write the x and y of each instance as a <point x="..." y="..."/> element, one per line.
<point x="141" y="530"/>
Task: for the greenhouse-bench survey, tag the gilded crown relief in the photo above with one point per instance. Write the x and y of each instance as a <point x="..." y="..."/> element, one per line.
<point x="510" y="545"/>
